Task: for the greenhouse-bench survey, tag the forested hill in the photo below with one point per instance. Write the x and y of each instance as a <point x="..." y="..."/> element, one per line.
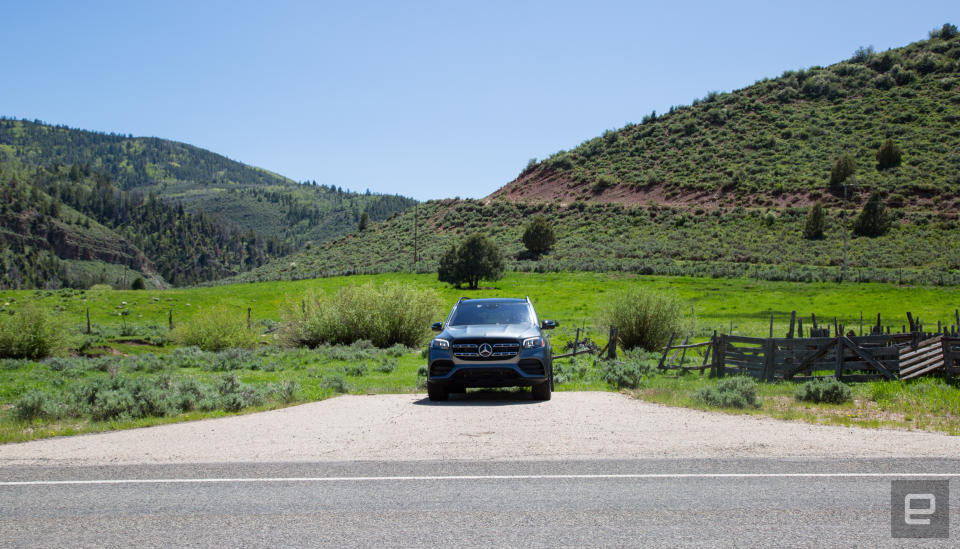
<point x="255" y="199"/>
<point x="63" y="227"/>
<point x="777" y="142"/>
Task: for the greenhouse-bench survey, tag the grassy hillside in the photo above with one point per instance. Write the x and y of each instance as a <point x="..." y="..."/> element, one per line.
<point x="774" y="143"/>
<point x="255" y="199"/>
<point x="647" y="239"/>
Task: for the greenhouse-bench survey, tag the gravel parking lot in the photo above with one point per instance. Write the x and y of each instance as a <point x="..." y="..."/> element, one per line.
<point x="584" y="425"/>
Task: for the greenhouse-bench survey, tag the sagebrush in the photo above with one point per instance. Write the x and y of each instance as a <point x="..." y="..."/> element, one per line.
<point x="385" y="315"/>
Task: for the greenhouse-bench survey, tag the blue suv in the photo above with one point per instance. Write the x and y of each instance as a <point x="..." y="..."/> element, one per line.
<point x="494" y="342"/>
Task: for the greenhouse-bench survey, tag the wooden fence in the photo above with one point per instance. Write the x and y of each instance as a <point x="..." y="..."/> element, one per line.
<point x="878" y="355"/>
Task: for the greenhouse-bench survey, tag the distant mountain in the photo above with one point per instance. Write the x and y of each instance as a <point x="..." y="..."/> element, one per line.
<point x="252" y="198"/>
<point x="775" y="143"/>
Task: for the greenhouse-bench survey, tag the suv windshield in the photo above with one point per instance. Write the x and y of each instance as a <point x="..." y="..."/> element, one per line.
<point x="491" y="313"/>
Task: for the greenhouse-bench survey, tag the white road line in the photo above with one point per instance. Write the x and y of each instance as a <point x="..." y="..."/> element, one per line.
<point x="638" y="476"/>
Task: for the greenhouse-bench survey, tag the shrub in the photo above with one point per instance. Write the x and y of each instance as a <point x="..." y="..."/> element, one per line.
<point x="829" y="390"/>
<point x="731" y="392"/>
<point x="873" y="219"/>
<point x="628" y="374"/>
<point x="645" y="318"/>
<point x="478" y="258"/>
<point x="383" y="315"/>
<point x="336" y="383"/>
<point x="34" y="404"/>
<point x="816" y="221"/>
<point x="888" y="155"/>
<point x="138" y="284"/>
<point x="843" y="168"/>
<point x="538" y="236"/>
<point x="32" y="333"/>
<point x="356" y="370"/>
<point x="603" y="182"/>
<point x="215" y="329"/>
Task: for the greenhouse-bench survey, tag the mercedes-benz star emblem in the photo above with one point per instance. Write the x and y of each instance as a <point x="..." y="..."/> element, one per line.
<point x="485" y="350"/>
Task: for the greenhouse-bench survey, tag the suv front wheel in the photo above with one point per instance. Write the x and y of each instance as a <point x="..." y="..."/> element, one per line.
<point x="541" y="391"/>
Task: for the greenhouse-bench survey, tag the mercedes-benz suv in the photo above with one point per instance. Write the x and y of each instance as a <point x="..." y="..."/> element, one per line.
<point x="494" y="342"/>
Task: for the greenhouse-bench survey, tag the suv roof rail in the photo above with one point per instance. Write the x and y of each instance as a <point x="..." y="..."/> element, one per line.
<point x="462" y="299"/>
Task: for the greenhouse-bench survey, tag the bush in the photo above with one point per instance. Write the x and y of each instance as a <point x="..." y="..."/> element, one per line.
<point x="215" y="329"/>
<point x="34" y="404"/>
<point x="32" y="333"/>
<point x="603" y="182"/>
<point x="873" y="219"/>
<point x="383" y="315"/>
<point x="731" y="392"/>
<point x="645" y="318"/>
<point x="829" y="390"/>
<point x="138" y="284"/>
<point x="816" y="221"/>
<point x="336" y="383"/>
<point x="538" y="236"/>
<point x="888" y="155"/>
<point x="628" y="374"/>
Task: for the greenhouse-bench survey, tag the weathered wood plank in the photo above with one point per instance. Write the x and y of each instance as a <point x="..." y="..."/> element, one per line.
<point x="936" y="361"/>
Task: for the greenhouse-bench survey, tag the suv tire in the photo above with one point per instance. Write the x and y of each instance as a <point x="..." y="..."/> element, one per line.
<point x="437" y="392"/>
<point x="541" y="391"/>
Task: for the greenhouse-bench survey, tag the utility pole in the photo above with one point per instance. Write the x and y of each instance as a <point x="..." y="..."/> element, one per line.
<point x="843" y="217"/>
<point x="416" y="222"/>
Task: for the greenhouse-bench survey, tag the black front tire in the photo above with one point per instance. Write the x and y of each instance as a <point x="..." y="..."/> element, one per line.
<point x="541" y="391"/>
<point x="437" y="392"/>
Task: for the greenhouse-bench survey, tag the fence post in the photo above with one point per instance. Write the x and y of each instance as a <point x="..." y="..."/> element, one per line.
<point x="88" y="320"/>
<point x="768" y="360"/>
<point x="248" y="318"/>
<point x="839" y="363"/>
<point x="720" y="355"/>
<point x="612" y="346"/>
<point x="666" y="350"/>
<point x="793" y="320"/>
<point x="170" y="319"/>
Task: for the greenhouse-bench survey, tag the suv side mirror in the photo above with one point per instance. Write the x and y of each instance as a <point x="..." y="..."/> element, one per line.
<point x="437" y="326"/>
<point x="549" y="324"/>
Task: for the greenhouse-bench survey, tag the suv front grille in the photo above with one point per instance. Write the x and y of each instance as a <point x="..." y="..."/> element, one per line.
<point x="485" y="350"/>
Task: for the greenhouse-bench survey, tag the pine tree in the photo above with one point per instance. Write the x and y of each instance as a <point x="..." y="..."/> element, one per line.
<point x="816" y="221"/>
<point x="874" y="220"/>
<point x="842" y="169"/>
<point x="889" y="155"/>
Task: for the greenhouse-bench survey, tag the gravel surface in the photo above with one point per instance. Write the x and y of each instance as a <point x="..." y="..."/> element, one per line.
<point x="586" y="425"/>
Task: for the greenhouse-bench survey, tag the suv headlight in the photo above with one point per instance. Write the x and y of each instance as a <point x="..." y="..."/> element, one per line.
<point x="533" y="343"/>
<point x="438" y="343"/>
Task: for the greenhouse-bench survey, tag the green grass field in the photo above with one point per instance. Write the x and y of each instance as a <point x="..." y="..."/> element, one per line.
<point x="573" y="298"/>
<point x="130" y="326"/>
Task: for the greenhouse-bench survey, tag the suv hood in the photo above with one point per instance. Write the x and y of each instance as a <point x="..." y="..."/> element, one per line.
<point x="515" y="331"/>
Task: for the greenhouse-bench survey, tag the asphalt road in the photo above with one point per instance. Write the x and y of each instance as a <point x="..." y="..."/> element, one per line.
<point x="718" y="502"/>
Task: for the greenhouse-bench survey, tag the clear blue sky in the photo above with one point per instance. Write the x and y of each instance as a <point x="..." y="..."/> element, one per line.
<point x="425" y="99"/>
